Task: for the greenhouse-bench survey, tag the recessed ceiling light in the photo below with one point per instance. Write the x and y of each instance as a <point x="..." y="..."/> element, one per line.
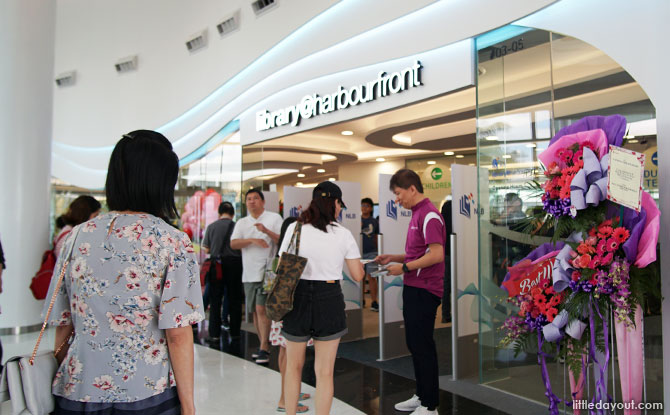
<point x="320" y="170"/>
<point x="299" y="184"/>
<point x="380" y="159"/>
<point x="328" y="157"/>
<point x="471" y="164"/>
<point x="347" y="132"/>
<point x="633" y="141"/>
<point x="492" y="138"/>
<point x="531" y="145"/>
<point x="448" y="153"/>
<point x="301" y="174"/>
<point x="628" y="136"/>
<point x="432" y="162"/>
<point x="331" y="179"/>
<point x="459" y="156"/>
<point x="506" y="156"/>
<point x="402" y="139"/>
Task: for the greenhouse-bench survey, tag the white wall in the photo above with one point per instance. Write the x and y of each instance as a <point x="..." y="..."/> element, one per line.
<point x="367" y="174"/>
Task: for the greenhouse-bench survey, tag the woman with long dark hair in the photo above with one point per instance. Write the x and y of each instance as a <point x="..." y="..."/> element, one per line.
<point x="130" y="294"/>
<point x="318" y="304"/>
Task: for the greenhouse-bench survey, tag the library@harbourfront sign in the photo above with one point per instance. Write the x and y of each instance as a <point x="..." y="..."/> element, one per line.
<point x="329" y="95"/>
<point x="314" y="104"/>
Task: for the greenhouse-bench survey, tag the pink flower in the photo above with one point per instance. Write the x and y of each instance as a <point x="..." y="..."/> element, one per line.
<point x="612" y="245"/>
<point x="582" y="261"/>
<point x="592" y="240"/>
<point x="578" y="156"/>
<point x="595" y="262"/>
<point x="601" y="249"/>
<point x="607" y="259"/>
<point x="553" y="168"/>
<point x="104" y="382"/>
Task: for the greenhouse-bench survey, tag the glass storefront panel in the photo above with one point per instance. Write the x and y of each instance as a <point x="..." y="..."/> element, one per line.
<point x="530" y="84"/>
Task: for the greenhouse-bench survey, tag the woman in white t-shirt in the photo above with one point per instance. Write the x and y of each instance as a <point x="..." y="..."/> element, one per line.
<point x="318" y="303"/>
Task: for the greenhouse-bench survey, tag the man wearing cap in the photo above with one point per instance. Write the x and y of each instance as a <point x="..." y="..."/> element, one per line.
<point x="256" y="235"/>
<point x="422" y="266"/>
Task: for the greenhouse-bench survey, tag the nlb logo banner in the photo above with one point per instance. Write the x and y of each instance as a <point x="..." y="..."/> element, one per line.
<point x="465" y="203"/>
<point x="392" y="210"/>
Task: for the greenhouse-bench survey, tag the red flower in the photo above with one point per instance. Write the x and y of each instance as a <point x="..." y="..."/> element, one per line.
<point x="592" y="232"/>
<point x="559" y="153"/>
<point x="612" y="245"/>
<point x="592" y="240"/>
<point x="589" y="145"/>
<point x="555" y="300"/>
<point x="553" y="168"/>
<point x="535" y="291"/>
<point x="608" y="222"/>
<point x="540" y="300"/>
<point x="621" y="234"/>
<point x="535" y="313"/>
<point x="578" y="156"/>
<point x="604" y="231"/>
<point x="582" y="261"/>
<point x="576" y="275"/>
<point x="566" y="156"/>
<point x="584" y="248"/>
<point x="602" y="248"/>
<point x="551" y="314"/>
<point x="564" y="193"/>
<point x="593" y="281"/>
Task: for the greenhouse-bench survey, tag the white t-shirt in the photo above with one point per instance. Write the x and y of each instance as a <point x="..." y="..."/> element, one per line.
<point x="254" y="258"/>
<point x="325" y="251"/>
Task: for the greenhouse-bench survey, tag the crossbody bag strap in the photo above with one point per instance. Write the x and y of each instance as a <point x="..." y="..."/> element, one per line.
<point x="298" y="229"/>
<point x="226" y="239"/>
<point x="295" y="237"/>
<point x="53" y="300"/>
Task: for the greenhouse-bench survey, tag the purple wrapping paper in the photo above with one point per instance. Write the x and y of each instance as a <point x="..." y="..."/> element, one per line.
<point x="614" y="127"/>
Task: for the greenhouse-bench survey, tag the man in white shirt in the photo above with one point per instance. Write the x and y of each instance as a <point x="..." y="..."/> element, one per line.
<point x="256" y="235"/>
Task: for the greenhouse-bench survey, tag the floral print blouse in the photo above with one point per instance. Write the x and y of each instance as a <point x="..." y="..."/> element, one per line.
<point x="131" y="276"/>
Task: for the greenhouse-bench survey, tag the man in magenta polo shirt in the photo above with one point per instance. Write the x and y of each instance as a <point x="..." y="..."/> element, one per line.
<point x="422" y="267"/>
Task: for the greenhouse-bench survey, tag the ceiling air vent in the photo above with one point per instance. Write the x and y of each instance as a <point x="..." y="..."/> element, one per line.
<point x="66" y="79"/>
<point x="197" y="41"/>
<point x="126" y="64"/>
<point x="261" y="6"/>
<point x="229" y="24"/>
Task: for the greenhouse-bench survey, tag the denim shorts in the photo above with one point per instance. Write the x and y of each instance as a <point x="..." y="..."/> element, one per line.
<point x="318" y="312"/>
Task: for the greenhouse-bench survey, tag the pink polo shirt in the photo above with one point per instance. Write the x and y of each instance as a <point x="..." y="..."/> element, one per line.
<point x="425" y="228"/>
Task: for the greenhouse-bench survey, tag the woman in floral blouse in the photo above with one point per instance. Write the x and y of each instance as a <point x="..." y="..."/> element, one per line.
<point x="130" y="293"/>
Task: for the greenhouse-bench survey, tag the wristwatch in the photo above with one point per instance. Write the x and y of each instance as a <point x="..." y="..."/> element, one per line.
<point x="404" y="268"/>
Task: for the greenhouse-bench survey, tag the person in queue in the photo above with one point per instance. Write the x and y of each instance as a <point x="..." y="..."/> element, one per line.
<point x="129" y="295"/>
<point x="276" y="339"/>
<point x="81" y="209"/>
<point x="422" y="266"/>
<point x="256" y="235"/>
<point x="225" y="275"/>
<point x="318" y="304"/>
<point x="369" y="233"/>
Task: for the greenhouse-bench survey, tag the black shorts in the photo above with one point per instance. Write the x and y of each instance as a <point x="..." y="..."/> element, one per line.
<point x="318" y="312"/>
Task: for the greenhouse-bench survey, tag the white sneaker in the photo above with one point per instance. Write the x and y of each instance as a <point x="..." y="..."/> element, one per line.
<point x="409" y="405"/>
<point x="422" y="410"/>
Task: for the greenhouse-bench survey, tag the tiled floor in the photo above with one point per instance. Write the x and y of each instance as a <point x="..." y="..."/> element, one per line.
<point x="230" y="382"/>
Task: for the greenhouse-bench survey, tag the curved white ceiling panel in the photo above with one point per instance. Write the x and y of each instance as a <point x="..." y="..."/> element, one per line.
<point x="440" y="23"/>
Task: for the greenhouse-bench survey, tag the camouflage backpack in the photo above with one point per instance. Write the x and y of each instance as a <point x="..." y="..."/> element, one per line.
<point x="289" y="270"/>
